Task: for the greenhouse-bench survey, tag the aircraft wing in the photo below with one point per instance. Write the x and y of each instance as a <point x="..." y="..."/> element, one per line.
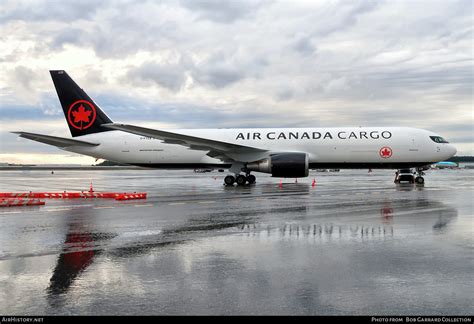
<point x="60" y="142"/>
<point x="217" y="149"/>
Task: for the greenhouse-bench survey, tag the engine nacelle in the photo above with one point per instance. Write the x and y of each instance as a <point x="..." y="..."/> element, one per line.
<point x="284" y="165"/>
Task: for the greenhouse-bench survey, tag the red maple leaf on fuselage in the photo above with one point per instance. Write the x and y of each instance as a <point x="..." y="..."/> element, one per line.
<point x="386" y="152"/>
<point x="81" y="115"/>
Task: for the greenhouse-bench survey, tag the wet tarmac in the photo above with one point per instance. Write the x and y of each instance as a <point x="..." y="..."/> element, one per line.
<point x="354" y="244"/>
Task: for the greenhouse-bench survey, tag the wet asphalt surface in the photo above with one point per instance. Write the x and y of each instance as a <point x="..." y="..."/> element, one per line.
<point x="353" y="244"/>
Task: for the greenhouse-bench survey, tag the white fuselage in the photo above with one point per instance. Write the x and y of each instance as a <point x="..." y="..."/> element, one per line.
<point x="342" y="147"/>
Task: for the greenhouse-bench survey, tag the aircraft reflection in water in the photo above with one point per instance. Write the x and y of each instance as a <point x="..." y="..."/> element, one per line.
<point x="78" y="253"/>
<point x="71" y="264"/>
<point x="82" y="245"/>
<point x="81" y="248"/>
<point x="393" y="215"/>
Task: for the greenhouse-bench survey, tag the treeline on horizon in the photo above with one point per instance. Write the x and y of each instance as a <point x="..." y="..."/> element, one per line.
<point x="461" y="159"/>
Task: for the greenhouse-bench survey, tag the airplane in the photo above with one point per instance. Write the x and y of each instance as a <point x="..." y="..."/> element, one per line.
<point x="445" y="165"/>
<point x="281" y="152"/>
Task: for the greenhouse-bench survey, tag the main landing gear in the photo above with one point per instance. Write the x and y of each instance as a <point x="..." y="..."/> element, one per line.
<point x="240" y="179"/>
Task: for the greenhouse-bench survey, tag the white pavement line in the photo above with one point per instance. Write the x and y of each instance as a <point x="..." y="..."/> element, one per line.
<point x="75" y="206"/>
<point x="206" y="202"/>
<point x="57" y="209"/>
<point x="177" y="203"/>
<point x="103" y="207"/>
<point x="13" y="212"/>
<point x="144" y="205"/>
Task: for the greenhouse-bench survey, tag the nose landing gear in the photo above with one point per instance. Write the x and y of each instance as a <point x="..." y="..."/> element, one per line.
<point x="419" y="176"/>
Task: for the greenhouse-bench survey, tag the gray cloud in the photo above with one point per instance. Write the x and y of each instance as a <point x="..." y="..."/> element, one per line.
<point x="48" y="10"/>
<point x="341" y="16"/>
<point x="171" y="76"/>
<point x="68" y="36"/>
<point x="223" y="69"/>
<point x="218" y="71"/>
<point x="304" y="45"/>
<point x="24" y="77"/>
<point x="218" y="75"/>
<point x="226" y="12"/>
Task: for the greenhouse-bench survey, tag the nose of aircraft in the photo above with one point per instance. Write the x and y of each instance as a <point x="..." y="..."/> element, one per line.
<point x="450" y="150"/>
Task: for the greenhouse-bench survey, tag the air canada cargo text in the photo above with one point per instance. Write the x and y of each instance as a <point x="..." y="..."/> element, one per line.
<point x="313" y="135"/>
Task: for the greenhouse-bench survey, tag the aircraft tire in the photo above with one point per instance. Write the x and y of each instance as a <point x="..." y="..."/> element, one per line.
<point x="251" y="179"/>
<point x="229" y="180"/>
<point x="420" y="180"/>
<point x="241" y="180"/>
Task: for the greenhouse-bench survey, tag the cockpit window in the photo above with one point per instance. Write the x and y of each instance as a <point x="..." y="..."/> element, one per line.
<point x="438" y="139"/>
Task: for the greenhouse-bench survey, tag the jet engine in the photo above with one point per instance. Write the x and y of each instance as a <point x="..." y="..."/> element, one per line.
<point x="285" y="165"/>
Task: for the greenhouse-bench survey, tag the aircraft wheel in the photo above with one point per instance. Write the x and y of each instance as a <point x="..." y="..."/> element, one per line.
<point x="420" y="180"/>
<point x="241" y="180"/>
<point x="251" y="179"/>
<point x="229" y="180"/>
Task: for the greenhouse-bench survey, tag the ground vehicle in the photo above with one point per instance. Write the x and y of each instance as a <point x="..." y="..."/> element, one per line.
<point x="407" y="175"/>
<point x="404" y="175"/>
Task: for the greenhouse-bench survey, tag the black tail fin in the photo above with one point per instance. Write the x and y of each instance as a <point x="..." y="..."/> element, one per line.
<point x="83" y="116"/>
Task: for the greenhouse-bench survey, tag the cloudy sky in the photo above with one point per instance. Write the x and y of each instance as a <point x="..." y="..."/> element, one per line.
<point x="250" y="63"/>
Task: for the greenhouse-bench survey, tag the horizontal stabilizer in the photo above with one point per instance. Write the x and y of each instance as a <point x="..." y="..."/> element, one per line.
<point x="60" y="142"/>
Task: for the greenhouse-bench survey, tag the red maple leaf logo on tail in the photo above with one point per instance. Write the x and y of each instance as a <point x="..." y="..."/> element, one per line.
<point x="81" y="115"/>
